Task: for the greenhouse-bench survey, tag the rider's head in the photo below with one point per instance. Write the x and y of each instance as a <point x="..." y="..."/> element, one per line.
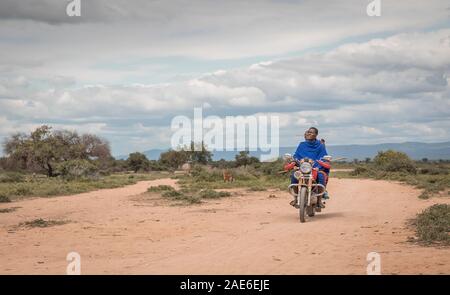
<point x="311" y="133"/>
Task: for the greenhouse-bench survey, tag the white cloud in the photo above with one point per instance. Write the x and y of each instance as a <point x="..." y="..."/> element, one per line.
<point x="76" y="74"/>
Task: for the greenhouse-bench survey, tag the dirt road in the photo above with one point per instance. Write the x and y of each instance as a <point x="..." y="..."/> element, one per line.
<point x="118" y="231"/>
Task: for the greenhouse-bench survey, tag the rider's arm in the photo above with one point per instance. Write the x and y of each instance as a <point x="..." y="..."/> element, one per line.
<point x="324" y="164"/>
<point x="289" y="166"/>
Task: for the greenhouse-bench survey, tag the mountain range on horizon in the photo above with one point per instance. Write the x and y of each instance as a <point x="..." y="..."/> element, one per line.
<point x="415" y="150"/>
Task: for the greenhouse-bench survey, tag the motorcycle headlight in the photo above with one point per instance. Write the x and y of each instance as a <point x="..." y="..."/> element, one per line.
<point x="305" y="167"/>
<point x="297" y="174"/>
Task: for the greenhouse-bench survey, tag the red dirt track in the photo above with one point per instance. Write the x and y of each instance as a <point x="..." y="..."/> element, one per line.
<point x="122" y="231"/>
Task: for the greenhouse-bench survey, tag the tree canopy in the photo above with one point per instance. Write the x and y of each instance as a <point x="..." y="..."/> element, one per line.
<point x="43" y="148"/>
<point x="244" y="159"/>
<point x="138" y="161"/>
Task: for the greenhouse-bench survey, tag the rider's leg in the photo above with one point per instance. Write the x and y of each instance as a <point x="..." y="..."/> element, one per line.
<point x="321" y="179"/>
<point x="294" y="180"/>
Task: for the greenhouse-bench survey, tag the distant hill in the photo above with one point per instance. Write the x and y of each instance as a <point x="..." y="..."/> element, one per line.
<point x="151" y="154"/>
<point x="416" y="150"/>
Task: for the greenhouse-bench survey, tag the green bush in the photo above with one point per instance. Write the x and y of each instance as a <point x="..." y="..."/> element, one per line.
<point x="104" y="173"/>
<point x="188" y="195"/>
<point x="424" y="195"/>
<point x="23" y="191"/>
<point x="160" y="188"/>
<point x="394" y="161"/>
<point x="9" y="177"/>
<point x="179" y="196"/>
<point x="434" y="171"/>
<point x="359" y="170"/>
<point x="271" y="168"/>
<point x="4" y="199"/>
<point x="157" y="166"/>
<point x="76" y="169"/>
<point x="212" y="194"/>
<point x="138" y="161"/>
<point x="172" y="194"/>
<point x="201" y="173"/>
<point x="433" y="224"/>
<point x="246" y="173"/>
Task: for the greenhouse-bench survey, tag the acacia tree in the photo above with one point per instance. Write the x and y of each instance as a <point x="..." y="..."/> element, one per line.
<point x="196" y="153"/>
<point x="138" y="161"/>
<point x="199" y="153"/>
<point x="16" y="147"/>
<point x="44" y="148"/>
<point x="37" y="149"/>
<point x="244" y="159"/>
<point x="95" y="147"/>
<point x="174" y="159"/>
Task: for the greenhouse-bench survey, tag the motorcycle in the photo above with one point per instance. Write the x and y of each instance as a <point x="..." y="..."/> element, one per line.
<point x="307" y="192"/>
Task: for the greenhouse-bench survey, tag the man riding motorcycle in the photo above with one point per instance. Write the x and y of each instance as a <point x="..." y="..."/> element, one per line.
<point x="313" y="149"/>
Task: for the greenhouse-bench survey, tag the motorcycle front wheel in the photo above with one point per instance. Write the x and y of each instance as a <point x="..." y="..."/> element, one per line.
<point x="302" y="203"/>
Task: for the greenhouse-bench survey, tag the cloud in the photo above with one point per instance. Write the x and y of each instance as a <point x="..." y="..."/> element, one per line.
<point x="320" y="65"/>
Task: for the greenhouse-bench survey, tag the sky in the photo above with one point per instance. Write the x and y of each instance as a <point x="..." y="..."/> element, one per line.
<point x="124" y="69"/>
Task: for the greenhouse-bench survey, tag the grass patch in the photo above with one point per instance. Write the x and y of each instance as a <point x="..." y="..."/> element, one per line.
<point x="255" y="183"/>
<point x="432" y="179"/>
<point x="4" y="199"/>
<point x="424" y="195"/>
<point x="9" y="177"/>
<point x="44" y="186"/>
<point x="187" y="195"/>
<point x="180" y="196"/>
<point x="256" y="189"/>
<point x="264" y="175"/>
<point x="160" y="188"/>
<point x="172" y="194"/>
<point x="9" y="210"/>
<point x="433" y="225"/>
<point x="42" y="223"/>
<point x="212" y="194"/>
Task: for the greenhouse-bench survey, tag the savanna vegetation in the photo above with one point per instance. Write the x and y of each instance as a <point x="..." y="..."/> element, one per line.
<point x="258" y="176"/>
<point x="433" y="225"/>
<point x="50" y="162"/>
<point x="204" y="179"/>
<point x="433" y="177"/>
<point x="188" y="195"/>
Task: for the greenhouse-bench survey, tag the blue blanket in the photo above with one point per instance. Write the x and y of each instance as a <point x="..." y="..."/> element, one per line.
<point x="310" y="149"/>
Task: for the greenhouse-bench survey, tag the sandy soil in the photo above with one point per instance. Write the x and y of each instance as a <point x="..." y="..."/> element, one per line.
<point x="119" y="231"/>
